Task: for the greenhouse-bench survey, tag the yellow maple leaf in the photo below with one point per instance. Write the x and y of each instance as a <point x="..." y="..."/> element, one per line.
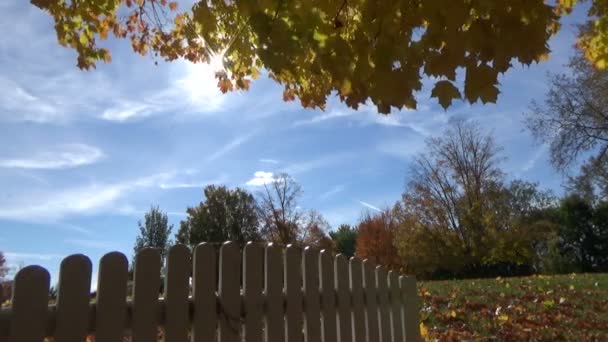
<point x="503" y="318"/>
<point x="424" y="332"/>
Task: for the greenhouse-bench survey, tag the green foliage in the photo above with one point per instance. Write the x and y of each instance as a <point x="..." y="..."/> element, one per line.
<point x="225" y="214"/>
<point x="345" y="238"/>
<point x="154" y="232"/>
<point x="364" y="51"/>
<point x="583" y="236"/>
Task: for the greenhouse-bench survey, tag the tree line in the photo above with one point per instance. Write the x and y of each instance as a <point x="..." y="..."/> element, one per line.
<point x="460" y="214"/>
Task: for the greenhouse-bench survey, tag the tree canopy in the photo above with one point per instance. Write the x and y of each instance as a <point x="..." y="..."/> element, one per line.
<point x="154" y="232"/>
<point x="363" y="51"/>
<point x="225" y="214"/>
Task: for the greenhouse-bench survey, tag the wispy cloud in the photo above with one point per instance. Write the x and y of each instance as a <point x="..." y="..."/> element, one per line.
<point x="261" y="178"/>
<point x="370" y="206"/>
<point x="62" y="157"/>
<point x="318" y="163"/>
<point x="269" y="161"/>
<point x="236" y="142"/>
<point x="534" y="158"/>
<point x="79" y="200"/>
<point x="18" y="256"/>
<point x="188" y="185"/>
<point x="331" y="192"/>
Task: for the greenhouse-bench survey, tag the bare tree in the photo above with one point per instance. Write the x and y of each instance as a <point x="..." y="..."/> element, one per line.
<point x="279" y="211"/>
<point x="573" y="119"/>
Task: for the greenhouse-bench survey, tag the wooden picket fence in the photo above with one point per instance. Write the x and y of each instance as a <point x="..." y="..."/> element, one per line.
<point x="280" y="295"/>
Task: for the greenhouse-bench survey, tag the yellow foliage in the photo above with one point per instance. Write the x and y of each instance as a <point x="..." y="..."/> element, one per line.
<point x="364" y="51"/>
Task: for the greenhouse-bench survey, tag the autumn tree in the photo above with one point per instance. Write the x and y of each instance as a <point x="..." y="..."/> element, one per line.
<point x="278" y="207"/>
<point x="284" y="222"/>
<point x="458" y="217"/>
<point x="154" y="232"/>
<point x="225" y="214"/>
<point x="376" y="51"/>
<point x="314" y="231"/>
<point x="375" y="239"/>
<point x="345" y="239"/>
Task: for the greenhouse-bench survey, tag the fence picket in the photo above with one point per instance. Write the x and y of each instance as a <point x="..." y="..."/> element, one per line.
<point x="204" y="283"/>
<point x="146" y="287"/>
<point x="369" y="271"/>
<point x="29" y="304"/>
<point x="230" y="296"/>
<point x="383" y="304"/>
<point x="177" y="275"/>
<point x="293" y="289"/>
<point x="410" y="308"/>
<point x="328" y="293"/>
<point x="253" y="257"/>
<point x="396" y="304"/>
<point x="296" y="296"/>
<point x="275" y="323"/>
<point x="111" y="306"/>
<point x="73" y="299"/>
<point x="356" y="287"/>
<point x="344" y="302"/>
<point x="312" y="320"/>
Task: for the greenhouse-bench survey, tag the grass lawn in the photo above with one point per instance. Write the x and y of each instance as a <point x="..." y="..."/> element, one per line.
<point x="538" y="308"/>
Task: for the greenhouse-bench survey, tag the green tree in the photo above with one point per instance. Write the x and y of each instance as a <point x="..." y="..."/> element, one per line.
<point x="583" y="235"/>
<point x="376" y="51"/>
<point x="154" y="232"/>
<point x="345" y="239"/>
<point x="225" y="214"/>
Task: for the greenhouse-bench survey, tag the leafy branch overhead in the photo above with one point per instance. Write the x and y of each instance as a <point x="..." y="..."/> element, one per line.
<point x="376" y="51"/>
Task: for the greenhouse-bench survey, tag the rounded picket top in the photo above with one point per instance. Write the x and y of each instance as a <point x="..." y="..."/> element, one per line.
<point x="73" y="298"/>
<point x="178" y="252"/>
<point x="111" y="305"/>
<point x="29" y="304"/>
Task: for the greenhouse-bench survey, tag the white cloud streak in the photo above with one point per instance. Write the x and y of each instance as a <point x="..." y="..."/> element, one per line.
<point x="62" y="157"/>
<point x="370" y="206"/>
<point x="269" y="161"/>
<point x="332" y="192"/>
<point x="235" y="143"/>
<point x="79" y="200"/>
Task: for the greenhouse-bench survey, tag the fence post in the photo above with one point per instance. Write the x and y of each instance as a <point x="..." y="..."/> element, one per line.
<point x="146" y="286"/>
<point x="396" y="303"/>
<point x="230" y="292"/>
<point x="111" y="303"/>
<point x="344" y="301"/>
<point x="369" y="271"/>
<point x="293" y="291"/>
<point x="411" y="308"/>
<point x="176" y="293"/>
<point x="73" y="299"/>
<point x="275" y="323"/>
<point x="253" y="256"/>
<point x="29" y="304"/>
<point x="204" y="284"/>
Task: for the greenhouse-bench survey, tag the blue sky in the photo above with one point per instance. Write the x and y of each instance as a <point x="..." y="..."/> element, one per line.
<point x="84" y="154"/>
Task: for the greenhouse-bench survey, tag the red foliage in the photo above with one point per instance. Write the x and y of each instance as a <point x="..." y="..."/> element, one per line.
<point x="375" y="240"/>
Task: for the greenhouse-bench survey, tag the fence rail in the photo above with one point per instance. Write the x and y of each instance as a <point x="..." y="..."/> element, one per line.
<point x="264" y="293"/>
